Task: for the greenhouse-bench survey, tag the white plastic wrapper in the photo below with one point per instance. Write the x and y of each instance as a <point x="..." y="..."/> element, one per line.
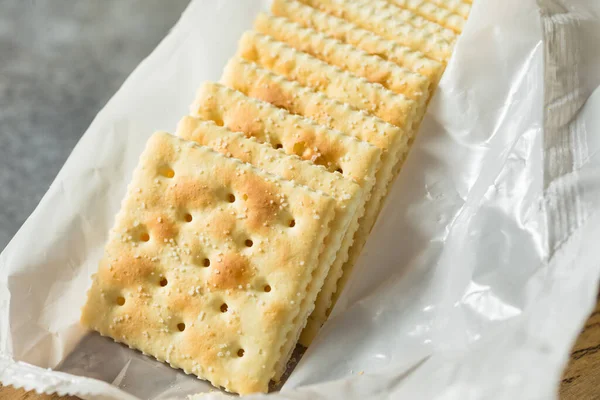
<point x="475" y="280"/>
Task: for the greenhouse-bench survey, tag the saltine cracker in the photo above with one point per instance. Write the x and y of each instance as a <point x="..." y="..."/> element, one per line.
<point x="365" y="40"/>
<point x="359" y="161"/>
<point x="460" y="7"/>
<point x="432" y="12"/>
<point x="199" y="239"/>
<point x="345" y="56"/>
<point x="294" y="134"/>
<point x="334" y="82"/>
<point x="348" y="196"/>
<point x="257" y="82"/>
<point x="363" y="14"/>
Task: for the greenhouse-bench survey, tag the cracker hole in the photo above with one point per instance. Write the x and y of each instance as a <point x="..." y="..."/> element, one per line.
<point x="278" y="146"/>
<point x="299" y="148"/>
<point x="163" y="282"/>
<point x="206" y="262"/>
<point x="249" y="243"/>
<point x="292" y="223"/>
<point x="340" y="170"/>
<point x="188" y="217"/>
<point x="167" y="172"/>
<point x="240" y="353"/>
<point x="224" y="307"/>
<point x="231" y="197"/>
<point x="181" y="326"/>
<point x="267" y="288"/>
<point x="120" y="300"/>
<point x="144" y="237"/>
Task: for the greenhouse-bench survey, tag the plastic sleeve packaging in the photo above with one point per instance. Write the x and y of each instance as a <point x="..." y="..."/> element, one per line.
<point x="475" y="280"/>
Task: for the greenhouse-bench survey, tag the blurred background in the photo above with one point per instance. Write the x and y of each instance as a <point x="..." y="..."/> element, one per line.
<point x="60" y="62"/>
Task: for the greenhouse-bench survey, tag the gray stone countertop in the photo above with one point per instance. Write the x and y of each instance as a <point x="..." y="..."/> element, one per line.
<point x="60" y="62"/>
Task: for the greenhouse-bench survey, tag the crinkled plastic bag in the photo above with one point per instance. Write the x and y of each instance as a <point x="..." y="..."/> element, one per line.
<point x="475" y="280"/>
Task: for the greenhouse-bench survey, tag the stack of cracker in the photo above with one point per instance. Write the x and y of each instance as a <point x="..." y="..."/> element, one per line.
<point x="237" y="235"/>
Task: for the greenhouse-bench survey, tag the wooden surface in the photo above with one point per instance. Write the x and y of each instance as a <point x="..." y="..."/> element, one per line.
<point x="581" y="380"/>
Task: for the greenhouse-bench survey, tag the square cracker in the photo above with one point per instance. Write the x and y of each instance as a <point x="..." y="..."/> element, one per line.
<point x="384" y="22"/>
<point x="433" y="12"/>
<point x="460" y="7"/>
<point x="365" y="40"/>
<point x="259" y="83"/>
<point x="348" y="57"/>
<point x="293" y="134"/>
<point x="202" y="269"/>
<point x="389" y="10"/>
<point x="328" y="79"/>
<point x="347" y="194"/>
<point x="357" y="160"/>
